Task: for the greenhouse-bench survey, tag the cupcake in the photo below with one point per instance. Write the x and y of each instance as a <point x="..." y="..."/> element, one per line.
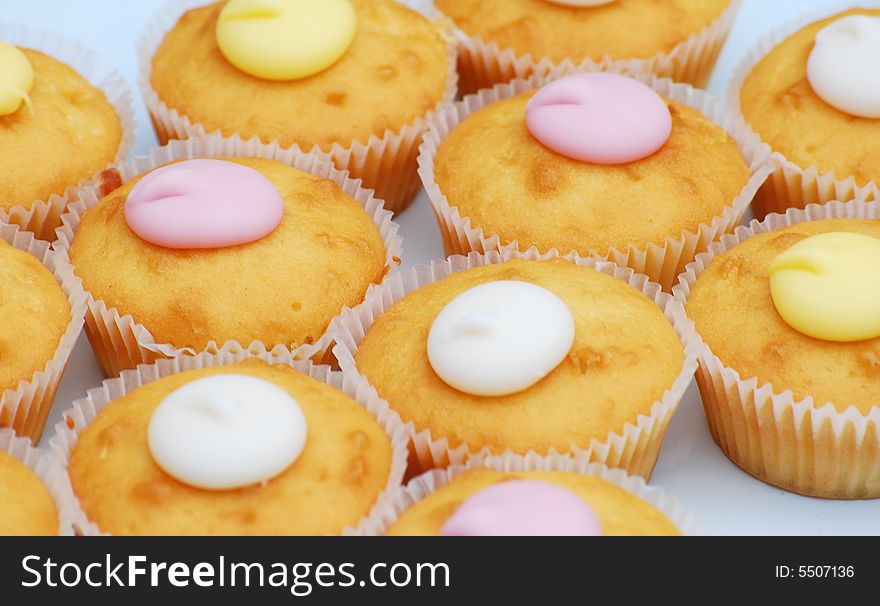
<point x="41" y="315"/>
<point x="200" y="246"/>
<point x="31" y="490"/>
<point x="811" y="93"/>
<point x="229" y="445"/>
<point x="529" y="496"/>
<point x="639" y="171"/>
<point x="485" y="355"/>
<point x="788" y="313"/>
<point x="506" y="39"/>
<point x="352" y="80"/>
<point x="63" y="118"/>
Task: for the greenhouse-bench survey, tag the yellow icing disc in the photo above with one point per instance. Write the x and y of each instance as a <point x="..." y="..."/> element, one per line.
<point x="285" y="39"/>
<point x="828" y="286"/>
<point x="16" y="79"/>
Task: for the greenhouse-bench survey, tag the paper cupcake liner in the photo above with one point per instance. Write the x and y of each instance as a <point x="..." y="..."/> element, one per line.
<point x="422" y="486"/>
<point x="800" y="446"/>
<point x="484" y="64"/>
<point x="386" y="164"/>
<point x="661" y="262"/>
<point x="26" y="408"/>
<point x="790" y="185"/>
<point x="634" y="447"/>
<point x="50" y="473"/>
<point x="118" y="340"/>
<point x="43" y="216"/>
<point x="84" y="410"/>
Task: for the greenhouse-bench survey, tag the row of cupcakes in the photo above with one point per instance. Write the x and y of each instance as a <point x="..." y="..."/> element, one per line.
<point x="502" y="41"/>
<point x="346" y="477"/>
<point x="159" y="438"/>
<point x="364" y="95"/>
<point x="181" y="447"/>
<point x="375" y="135"/>
<point x="781" y="316"/>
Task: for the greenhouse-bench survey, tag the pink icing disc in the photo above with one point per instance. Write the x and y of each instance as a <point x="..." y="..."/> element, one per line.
<point x="599" y="118"/>
<point x="203" y="204"/>
<point x="523" y="508"/>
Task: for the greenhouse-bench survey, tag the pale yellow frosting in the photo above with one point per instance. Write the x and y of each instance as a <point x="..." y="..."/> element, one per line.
<point x="285" y="39"/>
<point x="16" y="79"/>
<point x="828" y="286"/>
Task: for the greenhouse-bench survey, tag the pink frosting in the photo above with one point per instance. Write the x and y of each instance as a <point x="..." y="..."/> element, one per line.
<point x="523" y="508"/>
<point x="599" y="118"/>
<point x="203" y="204"/>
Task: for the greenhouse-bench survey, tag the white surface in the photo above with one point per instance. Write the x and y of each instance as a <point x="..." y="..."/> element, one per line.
<point x="691" y="467"/>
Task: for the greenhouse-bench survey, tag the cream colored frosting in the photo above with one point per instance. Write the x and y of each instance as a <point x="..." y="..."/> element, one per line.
<point x="500" y="338"/>
<point x="843" y="65"/>
<point x="226" y="431"/>
<point x="16" y="79"/>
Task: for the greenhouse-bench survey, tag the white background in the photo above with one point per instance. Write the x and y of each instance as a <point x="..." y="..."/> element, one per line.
<point x="725" y="499"/>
